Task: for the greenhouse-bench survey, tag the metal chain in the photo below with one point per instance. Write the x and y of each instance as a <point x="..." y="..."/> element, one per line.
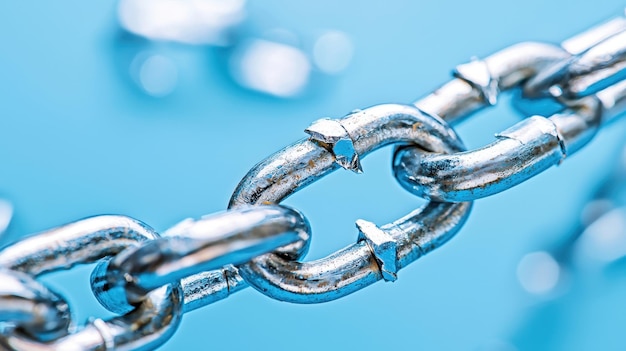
<point x="151" y="280"/>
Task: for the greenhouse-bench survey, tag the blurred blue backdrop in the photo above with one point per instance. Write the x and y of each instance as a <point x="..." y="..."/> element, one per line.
<point x="78" y="138"/>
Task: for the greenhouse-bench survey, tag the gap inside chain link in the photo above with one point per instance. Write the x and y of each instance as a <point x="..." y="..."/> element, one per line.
<point x="358" y="198"/>
<point x="485" y="89"/>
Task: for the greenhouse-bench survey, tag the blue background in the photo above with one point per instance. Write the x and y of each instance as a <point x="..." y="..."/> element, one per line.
<point x="77" y="139"/>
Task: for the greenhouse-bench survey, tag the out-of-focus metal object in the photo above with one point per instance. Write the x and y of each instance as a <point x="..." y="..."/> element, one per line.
<point x="198" y="22"/>
<point x="261" y="62"/>
<point x="153" y="68"/>
<point x="557" y="276"/>
<point x="270" y="67"/>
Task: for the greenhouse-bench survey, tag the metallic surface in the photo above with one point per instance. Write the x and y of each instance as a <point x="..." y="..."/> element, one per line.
<point x="153" y="280"/>
<point x="363" y="263"/>
<point x="209" y="287"/>
<point x="531" y="146"/>
<point x="232" y="237"/>
<point x="356" y="266"/>
<point x="520" y="152"/>
<point x="472" y="90"/>
<point x="145" y="328"/>
<point x="308" y="160"/>
<point x="87" y="241"/>
<point x="81" y="242"/>
<point x="34" y="309"/>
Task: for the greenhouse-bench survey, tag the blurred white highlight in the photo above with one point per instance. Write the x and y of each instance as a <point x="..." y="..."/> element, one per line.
<point x="156" y="75"/>
<point x="6" y="213"/>
<point x="333" y="52"/>
<point x="184" y="21"/>
<point x="269" y="67"/>
<point x="538" y="272"/>
<point x="604" y="240"/>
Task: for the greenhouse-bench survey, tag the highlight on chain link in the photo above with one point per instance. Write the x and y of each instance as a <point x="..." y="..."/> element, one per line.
<point x="149" y="170"/>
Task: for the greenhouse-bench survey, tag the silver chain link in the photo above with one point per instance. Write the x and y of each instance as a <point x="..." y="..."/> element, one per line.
<point x="151" y="280"/>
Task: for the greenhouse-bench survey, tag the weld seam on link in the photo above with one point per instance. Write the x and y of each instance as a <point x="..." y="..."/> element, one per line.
<point x="375" y="256"/>
<point x="589" y="67"/>
<point x="333" y="136"/>
<point x="383" y="247"/>
<point x="477" y="74"/>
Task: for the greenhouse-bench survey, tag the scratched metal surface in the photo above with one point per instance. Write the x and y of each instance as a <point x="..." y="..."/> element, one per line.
<point x="77" y="139"/>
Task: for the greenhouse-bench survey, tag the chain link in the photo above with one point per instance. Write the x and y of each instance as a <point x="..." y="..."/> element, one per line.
<point x="152" y="280"/>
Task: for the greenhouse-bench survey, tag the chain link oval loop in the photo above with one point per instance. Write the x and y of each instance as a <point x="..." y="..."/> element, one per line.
<point x="598" y="61"/>
<point x="232" y="237"/>
<point x="520" y="152"/>
<point x="29" y="306"/>
<point x="153" y="280"/>
<point x="88" y="241"/>
<point x="379" y="252"/>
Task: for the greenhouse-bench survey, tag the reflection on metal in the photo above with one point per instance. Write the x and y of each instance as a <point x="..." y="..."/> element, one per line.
<point x="185" y="21"/>
<point x="333" y="52"/>
<point x="156" y="75"/>
<point x="269" y="67"/>
<point x="6" y="213"/>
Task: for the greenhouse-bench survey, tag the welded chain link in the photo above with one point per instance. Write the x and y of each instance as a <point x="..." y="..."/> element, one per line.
<point x="151" y="280"/>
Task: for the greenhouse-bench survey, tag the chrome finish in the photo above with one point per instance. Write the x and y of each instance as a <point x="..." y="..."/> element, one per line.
<point x="31" y="307"/>
<point x="613" y="102"/>
<point x="146" y="328"/>
<point x="300" y="164"/>
<point x="87" y="241"/>
<point x="355" y="266"/>
<point x="383" y="247"/>
<point x="153" y="280"/>
<point x="600" y="65"/>
<point x="232" y="237"/>
<point x="533" y="145"/>
<point x="479" y="82"/>
<point x="379" y="252"/>
<point x="520" y="152"/>
<point x="81" y="242"/>
<point x="209" y="287"/>
<point x="591" y="37"/>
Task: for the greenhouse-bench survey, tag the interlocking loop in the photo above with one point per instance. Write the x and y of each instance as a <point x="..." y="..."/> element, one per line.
<point x="598" y="61"/>
<point x="153" y="280"/>
<point x="520" y="152"/>
<point x="87" y="241"/>
<point x="380" y="252"/>
<point x="232" y="237"/>
<point x="30" y="306"/>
